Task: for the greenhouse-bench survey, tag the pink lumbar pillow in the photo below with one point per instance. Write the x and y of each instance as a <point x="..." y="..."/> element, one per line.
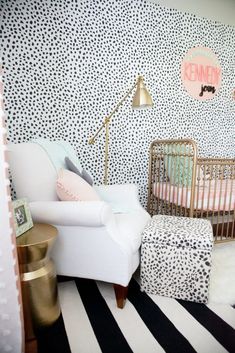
<point x="71" y="187"/>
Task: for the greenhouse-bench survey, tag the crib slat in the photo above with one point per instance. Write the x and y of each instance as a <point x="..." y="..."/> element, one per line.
<point x="224" y="203"/>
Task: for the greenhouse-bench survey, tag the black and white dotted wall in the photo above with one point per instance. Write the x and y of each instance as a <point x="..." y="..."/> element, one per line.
<point x="67" y="63"/>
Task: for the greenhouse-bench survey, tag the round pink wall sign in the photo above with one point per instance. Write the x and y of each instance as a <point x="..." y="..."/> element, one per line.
<point x="201" y="73"/>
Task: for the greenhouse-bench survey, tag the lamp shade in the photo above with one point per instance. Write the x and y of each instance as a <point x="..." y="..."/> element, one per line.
<point x="142" y="98"/>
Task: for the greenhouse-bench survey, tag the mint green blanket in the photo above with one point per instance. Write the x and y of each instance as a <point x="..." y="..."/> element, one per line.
<point x="57" y="151"/>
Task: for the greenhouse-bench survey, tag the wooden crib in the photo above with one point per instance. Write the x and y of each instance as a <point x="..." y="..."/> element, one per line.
<point x="181" y="183"/>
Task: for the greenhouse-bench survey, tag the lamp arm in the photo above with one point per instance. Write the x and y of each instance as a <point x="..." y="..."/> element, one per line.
<point x="108" y="118"/>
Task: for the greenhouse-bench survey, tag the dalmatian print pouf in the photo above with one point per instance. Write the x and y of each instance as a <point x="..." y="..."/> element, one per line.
<point x="176" y="257"/>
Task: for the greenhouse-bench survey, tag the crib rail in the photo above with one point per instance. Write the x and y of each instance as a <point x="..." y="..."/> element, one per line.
<point x="215" y="195"/>
<point x="182" y="184"/>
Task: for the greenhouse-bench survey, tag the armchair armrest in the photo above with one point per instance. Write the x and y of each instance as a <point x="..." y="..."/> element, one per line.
<point x="122" y="198"/>
<point x="71" y="213"/>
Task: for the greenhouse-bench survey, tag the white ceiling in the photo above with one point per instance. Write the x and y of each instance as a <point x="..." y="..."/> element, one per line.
<point x="218" y="10"/>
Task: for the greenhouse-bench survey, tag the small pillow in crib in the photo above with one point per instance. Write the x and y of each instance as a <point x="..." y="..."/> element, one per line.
<point x="71" y="187"/>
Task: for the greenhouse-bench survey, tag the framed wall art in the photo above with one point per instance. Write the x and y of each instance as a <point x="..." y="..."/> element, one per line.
<point x="201" y="73"/>
<point x="22" y="216"/>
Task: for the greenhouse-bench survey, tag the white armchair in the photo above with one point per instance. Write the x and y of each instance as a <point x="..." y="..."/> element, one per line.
<point x="97" y="239"/>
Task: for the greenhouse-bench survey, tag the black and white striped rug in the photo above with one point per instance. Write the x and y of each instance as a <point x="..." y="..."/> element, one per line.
<point x="91" y="323"/>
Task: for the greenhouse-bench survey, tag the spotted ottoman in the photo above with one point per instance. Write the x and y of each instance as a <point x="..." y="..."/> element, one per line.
<point x="176" y="257"/>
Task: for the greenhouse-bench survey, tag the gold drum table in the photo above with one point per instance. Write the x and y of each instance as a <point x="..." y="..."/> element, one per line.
<point x="38" y="277"/>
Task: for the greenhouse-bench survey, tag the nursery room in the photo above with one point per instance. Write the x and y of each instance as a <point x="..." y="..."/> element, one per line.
<point x="117" y="176"/>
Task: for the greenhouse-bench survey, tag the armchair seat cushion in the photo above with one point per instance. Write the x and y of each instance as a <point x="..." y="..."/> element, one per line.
<point x="129" y="226"/>
<point x="121" y="198"/>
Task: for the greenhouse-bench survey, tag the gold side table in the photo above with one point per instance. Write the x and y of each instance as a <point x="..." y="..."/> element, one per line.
<point x="38" y="277"/>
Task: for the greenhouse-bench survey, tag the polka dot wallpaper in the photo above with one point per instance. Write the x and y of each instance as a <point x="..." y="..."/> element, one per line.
<point x="67" y="63"/>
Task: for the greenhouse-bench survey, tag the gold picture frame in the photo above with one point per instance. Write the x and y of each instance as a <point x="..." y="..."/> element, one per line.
<point x="22" y="216"/>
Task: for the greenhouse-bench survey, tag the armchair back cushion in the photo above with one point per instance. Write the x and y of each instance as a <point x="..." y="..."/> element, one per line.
<point x="34" y="176"/>
<point x="35" y="165"/>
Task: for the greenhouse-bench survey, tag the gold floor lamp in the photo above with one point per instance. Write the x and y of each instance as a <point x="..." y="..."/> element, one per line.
<point x="141" y="100"/>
